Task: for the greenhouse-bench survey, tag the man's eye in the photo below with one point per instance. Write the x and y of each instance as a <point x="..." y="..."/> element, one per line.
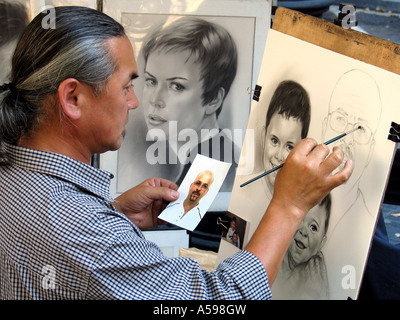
<point x="129" y="87"/>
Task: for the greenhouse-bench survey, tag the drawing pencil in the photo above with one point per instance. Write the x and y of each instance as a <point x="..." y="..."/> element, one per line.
<point x="281" y="165"/>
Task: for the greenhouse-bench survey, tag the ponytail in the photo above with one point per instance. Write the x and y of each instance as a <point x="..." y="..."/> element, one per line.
<point x="44" y="58"/>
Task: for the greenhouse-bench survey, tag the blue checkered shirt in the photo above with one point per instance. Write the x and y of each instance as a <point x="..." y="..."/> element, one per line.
<point x="60" y="238"/>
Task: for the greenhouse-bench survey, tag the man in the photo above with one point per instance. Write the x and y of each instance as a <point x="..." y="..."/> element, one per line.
<point x="69" y="97"/>
<point x="187" y="213"/>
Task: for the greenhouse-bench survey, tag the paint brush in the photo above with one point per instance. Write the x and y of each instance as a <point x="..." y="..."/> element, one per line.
<point x="281" y="165"/>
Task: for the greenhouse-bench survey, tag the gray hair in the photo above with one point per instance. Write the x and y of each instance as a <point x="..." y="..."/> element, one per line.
<point x="76" y="48"/>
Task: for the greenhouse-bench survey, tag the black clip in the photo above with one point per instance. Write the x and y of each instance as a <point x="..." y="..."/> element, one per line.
<point x="394" y="133"/>
<point x="257" y="93"/>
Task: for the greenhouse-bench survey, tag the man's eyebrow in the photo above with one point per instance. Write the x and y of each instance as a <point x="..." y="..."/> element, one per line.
<point x="134" y="76"/>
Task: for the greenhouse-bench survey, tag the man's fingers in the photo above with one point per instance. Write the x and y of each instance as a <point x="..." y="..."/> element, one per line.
<point x="305" y="146"/>
<point x="343" y="175"/>
<point x="162" y="193"/>
<point x="334" y="160"/>
<point x="159" y="182"/>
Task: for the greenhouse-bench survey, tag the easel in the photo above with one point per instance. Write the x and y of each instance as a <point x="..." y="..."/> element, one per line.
<point x="363" y="47"/>
<point x="378" y="52"/>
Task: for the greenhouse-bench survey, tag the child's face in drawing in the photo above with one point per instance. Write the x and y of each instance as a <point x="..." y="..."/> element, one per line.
<point x="309" y="237"/>
<point x="282" y="135"/>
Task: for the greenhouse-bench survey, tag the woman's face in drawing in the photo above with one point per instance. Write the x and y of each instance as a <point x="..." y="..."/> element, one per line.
<point x="309" y="237"/>
<point x="172" y="92"/>
<point x="282" y="135"/>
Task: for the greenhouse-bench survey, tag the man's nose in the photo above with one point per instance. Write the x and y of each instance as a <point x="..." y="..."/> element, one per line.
<point x="133" y="101"/>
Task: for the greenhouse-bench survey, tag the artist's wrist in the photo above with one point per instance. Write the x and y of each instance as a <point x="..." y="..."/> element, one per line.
<point x="288" y="210"/>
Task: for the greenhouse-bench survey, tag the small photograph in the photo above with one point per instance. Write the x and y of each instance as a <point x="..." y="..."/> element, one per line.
<point x="197" y="192"/>
<point x="233" y="228"/>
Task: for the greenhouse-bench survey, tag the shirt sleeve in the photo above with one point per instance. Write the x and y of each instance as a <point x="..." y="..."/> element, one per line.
<point x="137" y="269"/>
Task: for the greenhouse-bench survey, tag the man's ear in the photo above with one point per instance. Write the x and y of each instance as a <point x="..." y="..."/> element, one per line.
<point x="214" y="105"/>
<point x="68" y="93"/>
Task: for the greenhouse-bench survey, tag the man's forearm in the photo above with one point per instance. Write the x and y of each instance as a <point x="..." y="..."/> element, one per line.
<point x="272" y="237"/>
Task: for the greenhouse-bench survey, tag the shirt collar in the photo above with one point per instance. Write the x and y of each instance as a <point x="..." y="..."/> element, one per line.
<point x="85" y="176"/>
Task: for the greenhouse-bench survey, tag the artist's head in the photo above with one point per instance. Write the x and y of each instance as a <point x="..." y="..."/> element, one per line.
<point x="200" y="186"/>
<point x="287" y="122"/>
<point x="77" y="75"/>
<point x="310" y="236"/>
<point x="189" y="68"/>
<point x="355" y="101"/>
<point x="13" y="20"/>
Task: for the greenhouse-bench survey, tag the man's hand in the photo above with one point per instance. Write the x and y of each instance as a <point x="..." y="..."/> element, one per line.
<point x="306" y="177"/>
<point x="143" y="203"/>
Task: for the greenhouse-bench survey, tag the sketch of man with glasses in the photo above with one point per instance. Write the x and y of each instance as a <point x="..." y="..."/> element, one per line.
<point x="355" y="102"/>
